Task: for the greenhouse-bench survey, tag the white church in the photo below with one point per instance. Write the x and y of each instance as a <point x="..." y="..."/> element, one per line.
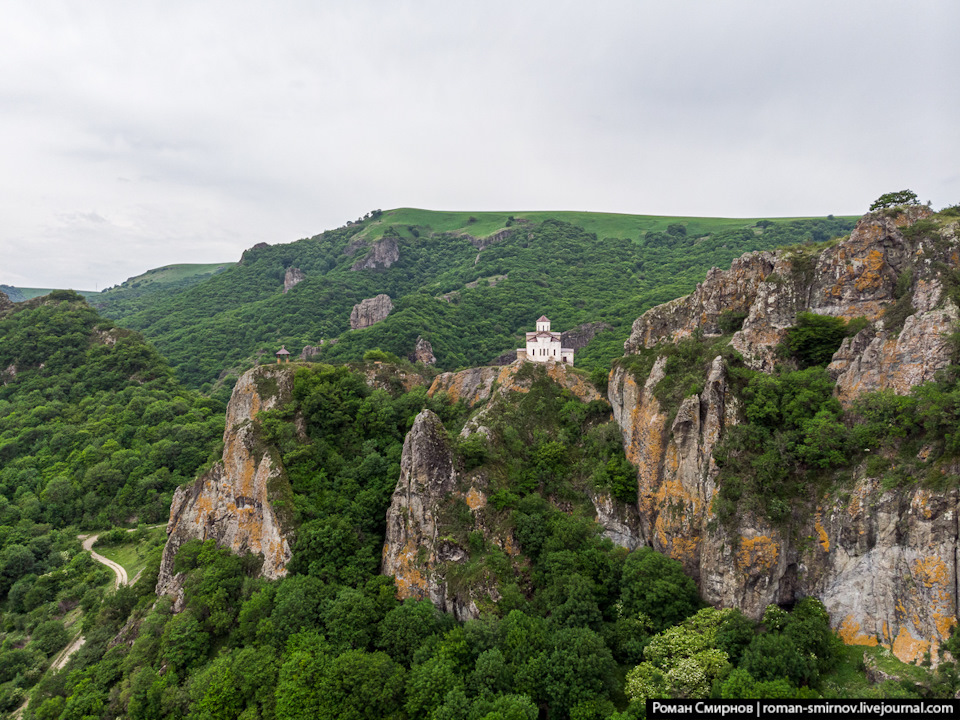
<point x="544" y="346"/>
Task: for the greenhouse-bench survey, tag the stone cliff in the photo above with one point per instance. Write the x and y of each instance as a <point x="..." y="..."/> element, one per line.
<point x="414" y="549"/>
<point x="422" y="550"/>
<point x="370" y="311"/>
<point x="884" y="563"/>
<point x="291" y="278"/>
<point x="383" y="253"/>
<point x="242" y="501"/>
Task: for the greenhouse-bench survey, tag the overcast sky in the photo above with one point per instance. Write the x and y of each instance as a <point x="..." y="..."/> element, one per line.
<point x="139" y="134"/>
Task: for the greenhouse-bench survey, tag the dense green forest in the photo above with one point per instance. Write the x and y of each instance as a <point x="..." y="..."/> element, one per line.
<point x="471" y="304"/>
<point x="94" y="431"/>
<point x="97" y="430"/>
<point x="579" y="628"/>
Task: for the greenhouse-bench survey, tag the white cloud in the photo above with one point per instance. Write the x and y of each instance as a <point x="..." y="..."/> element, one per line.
<point x="196" y="129"/>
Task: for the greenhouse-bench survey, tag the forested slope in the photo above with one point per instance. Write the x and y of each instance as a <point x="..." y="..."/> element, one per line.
<point x="94" y="430"/>
<point x="571" y="625"/>
<point x="470" y="284"/>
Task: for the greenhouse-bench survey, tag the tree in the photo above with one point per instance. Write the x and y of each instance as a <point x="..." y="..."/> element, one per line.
<point x="815" y="338"/>
<point x="892" y="199"/>
<point x="655" y="585"/>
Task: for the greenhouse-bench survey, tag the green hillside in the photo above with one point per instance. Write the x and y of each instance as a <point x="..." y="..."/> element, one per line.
<point x="133" y="293"/>
<point x="471" y="304"/>
<point x="19" y="294"/>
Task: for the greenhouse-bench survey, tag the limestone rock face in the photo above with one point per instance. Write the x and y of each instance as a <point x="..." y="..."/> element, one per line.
<point x="475" y="385"/>
<point x="412" y="551"/>
<point x="884" y="563"/>
<point x="383" y="253"/>
<point x="880" y="360"/>
<point x="579" y="336"/>
<point x="292" y="277"/>
<point x="370" y="311"/>
<point x="423" y="352"/>
<point x="420" y="548"/>
<point x="310" y="351"/>
<point x="233" y="502"/>
<point x="5" y="302"/>
<point x="485" y="242"/>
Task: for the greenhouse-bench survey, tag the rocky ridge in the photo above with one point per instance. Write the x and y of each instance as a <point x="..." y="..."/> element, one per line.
<point x="884" y="563"/>
<point x="234" y="503"/>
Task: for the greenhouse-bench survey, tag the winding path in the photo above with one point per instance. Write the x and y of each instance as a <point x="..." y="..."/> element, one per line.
<point x="121" y="574"/>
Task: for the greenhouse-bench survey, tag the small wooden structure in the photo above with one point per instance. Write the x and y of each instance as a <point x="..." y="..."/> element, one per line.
<point x="283" y="355"/>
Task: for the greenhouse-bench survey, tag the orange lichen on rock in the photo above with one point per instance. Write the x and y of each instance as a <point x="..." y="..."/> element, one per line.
<point x="871" y="276"/>
<point x="822" y="534"/>
<point x="475" y="499"/>
<point x="849" y="631"/>
<point x="562" y="375"/>
<point x="685" y="549"/>
<point x="757" y="554"/>
<point x="934" y="574"/>
<point x="907" y="648"/>
<point x="410" y="581"/>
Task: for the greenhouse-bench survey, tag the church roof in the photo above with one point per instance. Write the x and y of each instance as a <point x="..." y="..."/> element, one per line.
<point x="543" y="318"/>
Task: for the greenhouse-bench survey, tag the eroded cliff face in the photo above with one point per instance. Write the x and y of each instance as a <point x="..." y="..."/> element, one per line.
<point x="235" y="503"/>
<point x="476" y="385"/>
<point x="422" y="550"/>
<point x="884" y="563"/>
<point x="414" y="550"/>
<point x="370" y="311"/>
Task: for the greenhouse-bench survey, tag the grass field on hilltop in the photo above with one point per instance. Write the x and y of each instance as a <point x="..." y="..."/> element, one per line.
<point x="604" y="225"/>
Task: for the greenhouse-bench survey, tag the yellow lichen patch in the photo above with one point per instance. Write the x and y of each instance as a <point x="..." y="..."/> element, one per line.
<point x="871" y="276"/>
<point x="573" y="382"/>
<point x="757" y="554"/>
<point x="931" y="571"/>
<point x="886" y="633"/>
<point x="647" y="450"/>
<point x="920" y="504"/>
<point x="849" y="632"/>
<point x="685" y="549"/>
<point x="934" y="574"/>
<point x="822" y="534"/>
<point x="475" y="499"/>
<point x="410" y="581"/>
<point x="909" y="649"/>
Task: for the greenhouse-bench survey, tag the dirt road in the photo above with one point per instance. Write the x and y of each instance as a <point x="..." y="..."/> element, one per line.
<point x="121" y="574"/>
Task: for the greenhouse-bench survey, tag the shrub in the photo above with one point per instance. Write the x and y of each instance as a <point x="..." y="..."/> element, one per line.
<point x="814" y="339"/>
<point x="730" y="321"/>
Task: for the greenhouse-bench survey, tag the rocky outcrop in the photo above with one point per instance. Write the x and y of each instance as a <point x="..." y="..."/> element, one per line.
<point x="423" y="352"/>
<point x="485" y="242"/>
<point x="883" y="562"/>
<point x="311" y="351"/>
<point x="854" y="278"/>
<point x="252" y="251"/>
<point x="581" y="335"/>
<point x="370" y="311"/>
<point x="674" y="457"/>
<point x="476" y="385"/>
<point x="414" y="551"/>
<point x="383" y="253"/>
<point x="5" y="302"/>
<point x="235" y="503"/>
<point x="424" y="547"/>
<point x="292" y="277"/>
